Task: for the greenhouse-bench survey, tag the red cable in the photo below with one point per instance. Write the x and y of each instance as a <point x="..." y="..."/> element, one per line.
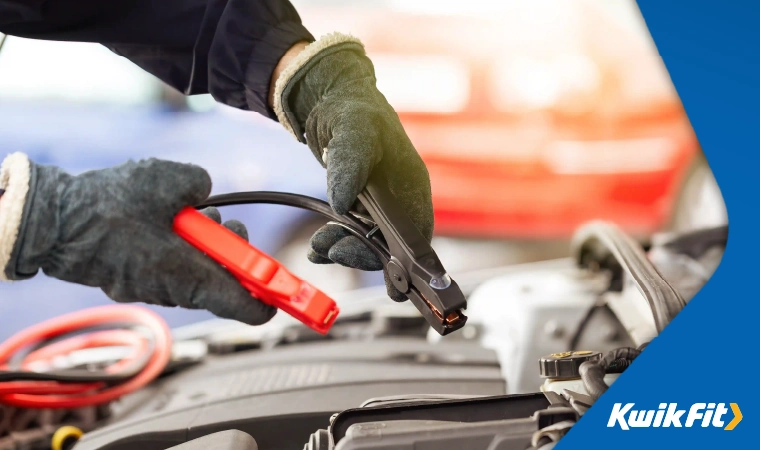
<point x="45" y="387"/>
<point x="36" y="394"/>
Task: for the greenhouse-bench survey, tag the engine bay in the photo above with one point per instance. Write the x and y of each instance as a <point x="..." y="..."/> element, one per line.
<point x="512" y="377"/>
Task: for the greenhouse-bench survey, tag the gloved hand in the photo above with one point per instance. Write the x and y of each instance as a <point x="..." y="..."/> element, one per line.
<point x="112" y="229"/>
<point x="328" y="92"/>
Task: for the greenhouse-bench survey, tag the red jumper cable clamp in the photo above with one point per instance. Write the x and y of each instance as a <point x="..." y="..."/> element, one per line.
<point x="262" y="275"/>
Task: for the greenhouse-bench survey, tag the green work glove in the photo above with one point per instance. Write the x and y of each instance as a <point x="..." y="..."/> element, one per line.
<point x="328" y="94"/>
<point x="112" y="229"/>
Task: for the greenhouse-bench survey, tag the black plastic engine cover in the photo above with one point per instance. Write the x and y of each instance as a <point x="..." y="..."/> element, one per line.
<point x="281" y="396"/>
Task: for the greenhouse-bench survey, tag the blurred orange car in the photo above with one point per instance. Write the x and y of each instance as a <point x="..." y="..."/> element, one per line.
<point x="533" y="117"/>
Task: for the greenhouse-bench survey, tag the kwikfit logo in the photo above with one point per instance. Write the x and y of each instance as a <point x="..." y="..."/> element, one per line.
<point x="668" y="415"/>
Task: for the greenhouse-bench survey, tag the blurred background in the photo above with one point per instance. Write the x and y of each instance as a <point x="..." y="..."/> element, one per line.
<point x="533" y="118"/>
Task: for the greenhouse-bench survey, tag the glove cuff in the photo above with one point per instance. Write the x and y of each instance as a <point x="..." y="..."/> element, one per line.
<point x="297" y="68"/>
<point x="15" y="175"/>
<point x="30" y="226"/>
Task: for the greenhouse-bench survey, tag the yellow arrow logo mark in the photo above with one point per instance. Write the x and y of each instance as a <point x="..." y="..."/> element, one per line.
<point x="737" y="417"/>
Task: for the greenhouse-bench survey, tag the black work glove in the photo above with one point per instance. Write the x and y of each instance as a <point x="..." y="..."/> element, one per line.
<point x="112" y="229"/>
<point x="328" y="93"/>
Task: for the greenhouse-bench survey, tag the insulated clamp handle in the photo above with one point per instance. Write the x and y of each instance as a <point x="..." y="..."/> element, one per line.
<point x="413" y="266"/>
<point x="266" y="279"/>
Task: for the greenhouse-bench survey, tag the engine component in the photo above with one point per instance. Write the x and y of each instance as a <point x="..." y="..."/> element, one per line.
<point x="533" y="421"/>
<point x="320" y="440"/>
<point x="486" y="423"/>
<point x="600" y="243"/>
<point x="65" y="437"/>
<point x="593" y="372"/>
<point x="562" y="375"/>
<point x="566" y="364"/>
<point x="22" y="428"/>
<point x="280" y="396"/>
<point x="458" y="410"/>
<point x="493" y="423"/>
<point x="542" y="308"/>
<point x="492" y="435"/>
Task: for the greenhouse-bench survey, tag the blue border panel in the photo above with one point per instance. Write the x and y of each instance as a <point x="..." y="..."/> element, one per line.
<point x="709" y="353"/>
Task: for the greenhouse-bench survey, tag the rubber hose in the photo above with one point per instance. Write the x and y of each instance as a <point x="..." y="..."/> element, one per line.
<point x="592" y="375"/>
<point x="593" y="372"/>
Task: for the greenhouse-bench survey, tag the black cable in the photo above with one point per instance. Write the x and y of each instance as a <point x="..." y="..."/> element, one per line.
<point x="274" y="198"/>
<point x="73" y="376"/>
<point x="350" y="222"/>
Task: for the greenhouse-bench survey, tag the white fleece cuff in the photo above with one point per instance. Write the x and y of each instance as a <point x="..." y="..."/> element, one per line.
<point x="299" y="61"/>
<point x="14" y="179"/>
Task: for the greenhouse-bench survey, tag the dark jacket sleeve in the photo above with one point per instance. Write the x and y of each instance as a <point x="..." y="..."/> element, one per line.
<point x="228" y="48"/>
